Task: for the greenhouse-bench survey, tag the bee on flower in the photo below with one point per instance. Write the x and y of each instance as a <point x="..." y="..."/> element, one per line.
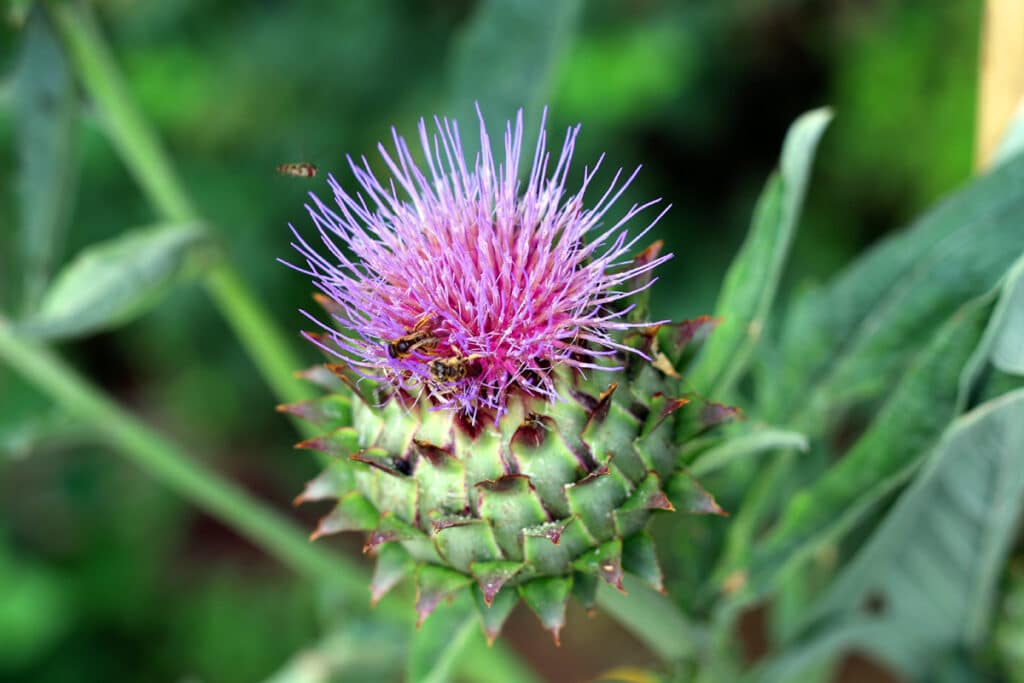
<point x="421" y="337"/>
<point x="455" y="367"/>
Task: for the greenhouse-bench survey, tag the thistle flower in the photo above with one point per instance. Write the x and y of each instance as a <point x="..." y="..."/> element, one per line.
<point x="501" y="413"/>
<point x="506" y="282"/>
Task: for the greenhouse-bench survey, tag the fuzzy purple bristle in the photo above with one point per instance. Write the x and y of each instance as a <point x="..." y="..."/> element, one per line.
<point x="516" y="282"/>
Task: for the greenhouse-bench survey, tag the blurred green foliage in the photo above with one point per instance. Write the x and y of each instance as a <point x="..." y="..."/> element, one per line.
<point x="106" y="577"/>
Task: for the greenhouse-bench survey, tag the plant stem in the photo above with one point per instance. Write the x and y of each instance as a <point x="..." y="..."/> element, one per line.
<point x="137" y="146"/>
<point x="168" y="464"/>
<point x="457" y="642"/>
<point x="145" y="158"/>
<point x="652" y="619"/>
<point x="759" y="502"/>
<point x="258" y="334"/>
<point x="485" y="663"/>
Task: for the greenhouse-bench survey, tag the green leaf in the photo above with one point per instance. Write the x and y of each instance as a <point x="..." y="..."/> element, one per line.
<point x="913" y="418"/>
<point x="1008" y="345"/>
<point x="932" y="567"/>
<point x="113" y="282"/>
<point x="756" y="442"/>
<point x="753" y="277"/>
<point x="1002" y="345"/>
<point x="848" y="342"/>
<point x="504" y="59"/>
<point x="438" y="643"/>
<point x="46" y="115"/>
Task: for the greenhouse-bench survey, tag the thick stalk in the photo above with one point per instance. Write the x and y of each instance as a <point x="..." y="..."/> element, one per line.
<point x="457" y="642"/>
<point x="483" y="663"/>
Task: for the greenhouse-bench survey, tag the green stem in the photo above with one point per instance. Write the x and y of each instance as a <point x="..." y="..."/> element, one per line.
<point x="145" y="158"/>
<point x="454" y="647"/>
<point x="168" y="464"/>
<point x="652" y="619"/>
<point x="261" y="338"/>
<point x="757" y="506"/>
<point x="136" y="144"/>
<point x="485" y="663"/>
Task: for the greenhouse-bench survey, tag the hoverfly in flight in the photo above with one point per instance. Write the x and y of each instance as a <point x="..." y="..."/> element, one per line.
<point x="302" y="169"/>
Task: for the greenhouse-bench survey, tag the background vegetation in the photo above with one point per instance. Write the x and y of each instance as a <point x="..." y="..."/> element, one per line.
<point x="106" y="574"/>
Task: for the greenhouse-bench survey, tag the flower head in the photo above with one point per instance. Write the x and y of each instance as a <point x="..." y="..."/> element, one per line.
<point x="462" y="283"/>
<point x="503" y="308"/>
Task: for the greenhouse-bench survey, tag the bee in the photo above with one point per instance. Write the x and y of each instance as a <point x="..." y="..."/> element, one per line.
<point x="455" y="368"/>
<point x="302" y="169"/>
<point x="420" y="338"/>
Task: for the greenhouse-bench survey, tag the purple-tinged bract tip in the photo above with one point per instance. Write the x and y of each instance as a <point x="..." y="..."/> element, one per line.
<point x="466" y="286"/>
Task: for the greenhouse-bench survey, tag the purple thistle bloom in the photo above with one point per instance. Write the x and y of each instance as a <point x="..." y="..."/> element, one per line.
<point x="468" y="287"/>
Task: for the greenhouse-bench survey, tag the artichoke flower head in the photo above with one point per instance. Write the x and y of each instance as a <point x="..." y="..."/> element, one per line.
<point x="501" y="416"/>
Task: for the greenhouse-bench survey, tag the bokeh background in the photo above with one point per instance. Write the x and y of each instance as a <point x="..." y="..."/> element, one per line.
<point x="106" y="576"/>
